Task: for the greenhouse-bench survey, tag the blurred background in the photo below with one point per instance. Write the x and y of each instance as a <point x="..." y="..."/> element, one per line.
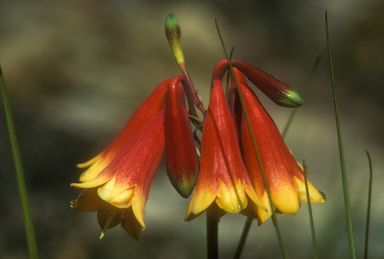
<point x="76" y="70"/>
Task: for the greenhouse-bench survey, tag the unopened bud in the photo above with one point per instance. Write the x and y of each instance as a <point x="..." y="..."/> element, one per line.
<point x="173" y="33"/>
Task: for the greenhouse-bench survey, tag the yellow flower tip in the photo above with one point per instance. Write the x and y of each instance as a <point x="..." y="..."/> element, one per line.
<point x="138" y="209"/>
<point x="289" y="204"/>
<point x="256" y="200"/>
<point x="232" y="200"/>
<point x="314" y="194"/>
<point x="263" y="215"/>
<point x="93" y="171"/>
<point x="106" y="226"/>
<point x="75" y="185"/>
<point x="89" y="163"/>
<point x="118" y="197"/>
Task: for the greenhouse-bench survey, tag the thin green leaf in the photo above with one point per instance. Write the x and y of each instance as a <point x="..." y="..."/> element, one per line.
<point x="243" y="238"/>
<point x="310" y="214"/>
<point x="274" y="219"/>
<point x="369" y="205"/>
<point x="29" y="231"/>
<point x="341" y="153"/>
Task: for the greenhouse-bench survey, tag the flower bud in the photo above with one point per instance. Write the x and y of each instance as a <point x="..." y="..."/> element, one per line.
<point x="173" y="33"/>
<point x="182" y="159"/>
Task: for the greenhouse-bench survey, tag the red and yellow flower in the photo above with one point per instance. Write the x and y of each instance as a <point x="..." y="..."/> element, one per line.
<point x="284" y="176"/>
<point x="120" y="191"/>
<point x="182" y="159"/>
<point x="223" y="184"/>
<point x="142" y="115"/>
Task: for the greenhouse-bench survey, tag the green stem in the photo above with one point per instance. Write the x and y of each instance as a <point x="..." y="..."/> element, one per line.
<point x="369" y="206"/>
<point x="29" y="231"/>
<point x="273" y="214"/>
<point x="310" y="214"/>
<point x="243" y="238"/>
<point x="341" y="153"/>
<point x="212" y="238"/>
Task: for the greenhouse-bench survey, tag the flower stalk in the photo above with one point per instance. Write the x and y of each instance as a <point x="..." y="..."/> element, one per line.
<point x="29" y="229"/>
<point x="173" y="34"/>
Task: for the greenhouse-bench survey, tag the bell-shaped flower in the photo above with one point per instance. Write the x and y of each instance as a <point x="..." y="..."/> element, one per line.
<point x="277" y="91"/>
<point x="223" y="184"/>
<point x="142" y="115"/>
<point x="284" y="176"/>
<point x="119" y="193"/>
<point x="182" y="159"/>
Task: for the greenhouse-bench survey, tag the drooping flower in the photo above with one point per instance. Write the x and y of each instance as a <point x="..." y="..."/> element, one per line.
<point x="142" y="115"/>
<point x="277" y="91"/>
<point x="223" y="184"/>
<point x="284" y="176"/>
<point x="182" y="159"/>
<point x="120" y="191"/>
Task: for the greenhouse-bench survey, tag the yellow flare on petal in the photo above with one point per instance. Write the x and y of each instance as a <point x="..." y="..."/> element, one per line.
<point x="90" y="162"/>
<point x="231" y="200"/>
<point x="93" y="171"/>
<point x="119" y="198"/>
<point x="286" y="199"/>
<point x="94" y="182"/>
<point x="106" y="190"/>
<point x="254" y="197"/>
<point x="261" y="214"/>
<point x="201" y="200"/>
<point x="314" y="194"/>
<point x="138" y="208"/>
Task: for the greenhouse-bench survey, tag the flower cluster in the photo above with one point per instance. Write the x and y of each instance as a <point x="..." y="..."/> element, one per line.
<point x="221" y="168"/>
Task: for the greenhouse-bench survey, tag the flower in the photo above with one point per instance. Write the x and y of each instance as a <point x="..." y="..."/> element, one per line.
<point x="284" y="176"/>
<point x="223" y="184"/>
<point x="182" y="159"/>
<point x="143" y="114"/>
<point x="120" y="191"/>
<point x="277" y="91"/>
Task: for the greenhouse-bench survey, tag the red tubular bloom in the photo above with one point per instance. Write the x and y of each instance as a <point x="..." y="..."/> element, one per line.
<point x="119" y="193"/>
<point x="284" y="176"/>
<point x="143" y="114"/>
<point x="182" y="159"/>
<point x="277" y="91"/>
<point x="223" y="184"/>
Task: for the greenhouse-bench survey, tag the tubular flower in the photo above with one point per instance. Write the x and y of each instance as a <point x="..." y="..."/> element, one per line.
<point x="284" y="176"/>
<point x="277" y="91"/>
<point x="182" y="159"/>
<point x="120" y="191"/>
<point x="143" y="114"/>
<point x="223" y="184"/>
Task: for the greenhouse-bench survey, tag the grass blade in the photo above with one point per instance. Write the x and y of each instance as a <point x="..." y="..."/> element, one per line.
<point x="310" y="214"/>
<point x="369" y="206"/>
<point x="341" y="153"/>
<point x="243" y="238"/>
<point x="29" y="230"/>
